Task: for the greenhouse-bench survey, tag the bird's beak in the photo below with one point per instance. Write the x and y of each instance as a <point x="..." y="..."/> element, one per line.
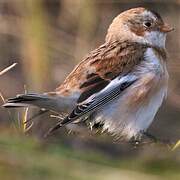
<point x="166" y="28"/>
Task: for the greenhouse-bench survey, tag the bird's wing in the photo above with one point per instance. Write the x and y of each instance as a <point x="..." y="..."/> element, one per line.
<point x="100" y="67"/>
<point x="111" y="92"/>
<point x="101" y="78"/>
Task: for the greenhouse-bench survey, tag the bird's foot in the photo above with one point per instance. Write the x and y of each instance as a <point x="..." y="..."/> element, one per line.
<point x="154" y="139"/>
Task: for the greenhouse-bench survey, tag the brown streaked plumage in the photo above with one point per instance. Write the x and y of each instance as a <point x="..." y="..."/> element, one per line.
<point x="121" y="84"/>
<point x="105" y="63"/>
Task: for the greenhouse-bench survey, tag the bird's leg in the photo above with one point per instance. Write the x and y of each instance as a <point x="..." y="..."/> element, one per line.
<point x="151" y="137"/>
<point x="136" y="141"/>
<point x="156" y="140"/>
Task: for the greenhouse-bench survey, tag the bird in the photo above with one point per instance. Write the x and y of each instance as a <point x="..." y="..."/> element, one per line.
<point x="120" y="85"/>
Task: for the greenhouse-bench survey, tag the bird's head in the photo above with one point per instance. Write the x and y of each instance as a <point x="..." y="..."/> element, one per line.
<point x="139" y="25"/>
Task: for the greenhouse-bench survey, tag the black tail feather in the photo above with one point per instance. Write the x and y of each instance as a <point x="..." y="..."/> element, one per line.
<point x="22" y="100"/>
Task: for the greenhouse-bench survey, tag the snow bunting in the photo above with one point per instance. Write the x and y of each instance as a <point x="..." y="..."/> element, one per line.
<point x="120" y="85"/>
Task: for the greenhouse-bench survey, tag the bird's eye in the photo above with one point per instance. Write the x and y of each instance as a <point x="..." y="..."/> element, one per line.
<point x="147" y="24"/>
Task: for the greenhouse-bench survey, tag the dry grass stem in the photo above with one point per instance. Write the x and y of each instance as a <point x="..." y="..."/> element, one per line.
<point x="26" y="126"/>
<point x="7" y="69"/>
<point x="177" y="145"/>
<point x="1" y="96"/>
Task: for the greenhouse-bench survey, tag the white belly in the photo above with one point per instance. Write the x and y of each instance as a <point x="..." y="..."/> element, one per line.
<point x="121" y="120"/>
<point x="135" y="110"/>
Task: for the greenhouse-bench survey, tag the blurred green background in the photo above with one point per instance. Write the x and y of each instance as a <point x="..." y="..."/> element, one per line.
<point x="47" y="38"/>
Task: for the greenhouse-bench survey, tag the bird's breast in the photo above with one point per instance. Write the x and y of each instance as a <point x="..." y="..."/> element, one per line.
<point x="136" y="108"/>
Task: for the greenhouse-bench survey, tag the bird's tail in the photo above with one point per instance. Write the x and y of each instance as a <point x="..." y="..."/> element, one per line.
<point x="54" y="103"/>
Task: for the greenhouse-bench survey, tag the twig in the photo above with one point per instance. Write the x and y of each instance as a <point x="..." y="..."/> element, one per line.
<point x="1" y="96"/>
<point x="176" y="146"/>
<point x="7" y="69"/>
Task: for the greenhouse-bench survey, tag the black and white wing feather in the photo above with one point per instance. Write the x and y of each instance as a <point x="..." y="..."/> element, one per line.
<point x="111" y="92"/>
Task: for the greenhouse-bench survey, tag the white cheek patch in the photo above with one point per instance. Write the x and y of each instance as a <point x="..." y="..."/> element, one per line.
<point x="155" y="38"/>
